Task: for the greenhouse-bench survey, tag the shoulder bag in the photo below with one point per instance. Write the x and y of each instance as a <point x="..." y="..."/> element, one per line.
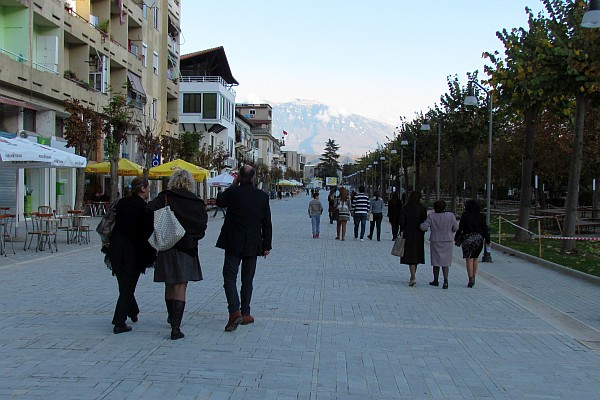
<point x="398" y="248"/>
<point x="167" y="229"/>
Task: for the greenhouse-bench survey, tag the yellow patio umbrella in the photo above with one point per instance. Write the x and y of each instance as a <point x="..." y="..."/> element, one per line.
<point x="167" y="169"/>
<point x="285" y="182"/>
<point x="125" y="168"/>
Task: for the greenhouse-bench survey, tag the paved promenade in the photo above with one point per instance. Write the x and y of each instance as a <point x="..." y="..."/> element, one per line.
<point x="334" y="320"/>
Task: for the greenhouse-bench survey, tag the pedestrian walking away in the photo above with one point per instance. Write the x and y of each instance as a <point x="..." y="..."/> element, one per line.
<point x="395" y="213"/>
<point x="331" y="206"/>
<point x="376" y="209"/>
<point x="413" y="215"/>
<point x="442" y="225"/>
<point x="217" y="208"/>
<point x="129" y="252"/>
<point x="471" y="235"/>
<point x="246" y="234"/>
<point x="180" y="264"/>
<point x="343" y="209"/>
<point x="360" y="208"/>
<point x="315" y="209"/>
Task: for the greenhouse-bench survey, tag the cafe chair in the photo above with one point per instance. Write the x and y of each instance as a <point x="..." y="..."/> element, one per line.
<point x="6" y="223"/>
<point x="31" y="230"/>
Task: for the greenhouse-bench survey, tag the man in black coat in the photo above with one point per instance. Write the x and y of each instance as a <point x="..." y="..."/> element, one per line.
<point x="245" y="235"/>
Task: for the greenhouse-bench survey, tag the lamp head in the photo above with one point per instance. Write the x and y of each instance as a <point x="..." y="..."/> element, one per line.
<point x="382" y="158"/>
<point x="425" y="126"/>
<point x="470" y="100"/>
<point x="394" y="151"/>
<point x="591" y="19"/>
<point x="404" y="143"/>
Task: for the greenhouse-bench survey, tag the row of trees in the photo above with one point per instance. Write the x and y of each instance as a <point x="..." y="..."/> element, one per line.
<point x="546" y="89"/>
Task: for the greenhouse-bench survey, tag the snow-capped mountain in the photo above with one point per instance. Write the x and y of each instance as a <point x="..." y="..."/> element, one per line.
<point x="310" y="124"/>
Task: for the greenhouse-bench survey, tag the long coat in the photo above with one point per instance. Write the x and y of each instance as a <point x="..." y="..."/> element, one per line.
<point x="129" y="247"/>
<point x="414" y="248"/>
<point x="247" y="229"/>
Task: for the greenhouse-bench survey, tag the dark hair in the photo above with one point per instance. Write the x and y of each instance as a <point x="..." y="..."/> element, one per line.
<point x="343" y="194"/>
<point x="138" y="183"/>
<point x="315" y="195"/>
<point x="376" y="195"/>
<point x="361" y="189"/>
<point x="414" y="199"/>
<point x="439" y="206"/>
<point x="247" y="174"/>
<point x="472" y="206"/>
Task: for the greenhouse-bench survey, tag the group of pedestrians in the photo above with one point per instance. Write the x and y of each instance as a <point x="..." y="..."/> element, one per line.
<point x="471" y="233"/>
<point x="246" y="234"/>
<point x="411" y="221"/>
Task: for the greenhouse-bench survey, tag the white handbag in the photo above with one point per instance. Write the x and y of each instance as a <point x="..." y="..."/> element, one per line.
<point x="167" y="229"/>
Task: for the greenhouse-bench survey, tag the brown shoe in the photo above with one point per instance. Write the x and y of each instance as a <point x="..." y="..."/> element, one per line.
<point x="247" y="319"/>
<point x="235" y="318"/>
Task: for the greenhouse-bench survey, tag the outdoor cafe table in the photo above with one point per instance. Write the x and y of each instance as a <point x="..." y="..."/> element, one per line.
<point x="79" y="228"/>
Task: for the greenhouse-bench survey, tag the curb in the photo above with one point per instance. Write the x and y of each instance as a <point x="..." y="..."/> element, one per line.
<point x="548" y="264"/>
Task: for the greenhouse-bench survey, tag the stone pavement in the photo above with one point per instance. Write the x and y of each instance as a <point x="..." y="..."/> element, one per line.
<point x="334" y="320"/>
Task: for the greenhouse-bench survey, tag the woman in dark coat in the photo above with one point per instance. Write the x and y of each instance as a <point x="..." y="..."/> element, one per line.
<point x="413" y="215"/>
<point x="395" y="213"/>
<point x="129" y="252"/>
<point x="471" y="235"/>
<point x="180" y="264"/>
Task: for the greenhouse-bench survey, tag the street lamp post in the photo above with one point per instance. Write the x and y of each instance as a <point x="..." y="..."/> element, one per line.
<point x="375" y="163"/>
<point x="471" y="100"/>
<point x="415" y="165"/>
<point x="426" y="127"/>
<point x="393" y="152"/>
<point x="382" y="158"/>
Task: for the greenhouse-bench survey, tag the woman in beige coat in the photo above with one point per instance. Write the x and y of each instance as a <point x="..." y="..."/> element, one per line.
<point x="442" y="224"/>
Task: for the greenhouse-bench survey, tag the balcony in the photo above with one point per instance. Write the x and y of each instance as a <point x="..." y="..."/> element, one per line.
<point x="217" y="80"/>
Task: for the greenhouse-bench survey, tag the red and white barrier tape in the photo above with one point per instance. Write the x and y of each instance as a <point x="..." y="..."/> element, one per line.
<point x="536" y="236"/>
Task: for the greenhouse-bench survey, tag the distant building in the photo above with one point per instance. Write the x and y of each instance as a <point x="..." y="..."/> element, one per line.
<point x="261" y="116"/>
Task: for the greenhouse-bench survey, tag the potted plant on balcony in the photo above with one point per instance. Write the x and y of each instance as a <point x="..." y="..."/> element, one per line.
<point x="103" y="26"/>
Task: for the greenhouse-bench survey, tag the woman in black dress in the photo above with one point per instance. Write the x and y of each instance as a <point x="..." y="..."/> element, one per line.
<point x="413" y="215"/>
<point x="471" y="235"/>
<point x="180" y="264"/>
<point x="394" y="213"/>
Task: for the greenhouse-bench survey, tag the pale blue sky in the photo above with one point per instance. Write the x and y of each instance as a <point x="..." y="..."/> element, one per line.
<point x="379" y="58"/>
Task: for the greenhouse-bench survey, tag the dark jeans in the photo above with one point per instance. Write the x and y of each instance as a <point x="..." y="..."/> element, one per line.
<point x="126" y="304"/>
<point x="395" y="230"/>
<point x="377" y="217"/>
<point x="362" y="220"/>
<point x="230" y="270"/>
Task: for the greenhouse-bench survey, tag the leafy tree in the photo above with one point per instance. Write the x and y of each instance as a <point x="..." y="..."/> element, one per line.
<point x="189" y="143"/>
<point x="526" y="80"/>
<point x="329" y="165"/>
<point x="219" y="156"/>
<point x="580" y="80"/>
<point x="83" y="130"/>
<point x="169" y="147"/>
<point x="117" y="127"/>
<point x="148" y="140"/>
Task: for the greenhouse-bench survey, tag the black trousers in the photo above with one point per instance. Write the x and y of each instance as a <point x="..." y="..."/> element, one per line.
<point x="230" y="271"/>
<point x="126" y="305"/>
<point x="377" y="217"/>
<point x="395" y="229"/>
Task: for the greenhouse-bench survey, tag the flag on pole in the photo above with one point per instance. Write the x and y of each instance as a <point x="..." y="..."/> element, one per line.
<point x="284" y="133"/>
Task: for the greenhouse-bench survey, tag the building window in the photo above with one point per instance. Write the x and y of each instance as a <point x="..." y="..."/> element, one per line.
<point x="209" y="109"/>
<point x="155" y="63"/>
<point x="156" y="18"/>
<point x="145" y="11"/>
<point x="252" y="113"/>
<point x="154" y="108"/>
<point x="192" y="103"/>
<point x="144" y="55"/>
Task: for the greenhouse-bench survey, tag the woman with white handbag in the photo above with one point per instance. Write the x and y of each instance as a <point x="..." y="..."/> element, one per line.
<point x="179" y="264"/>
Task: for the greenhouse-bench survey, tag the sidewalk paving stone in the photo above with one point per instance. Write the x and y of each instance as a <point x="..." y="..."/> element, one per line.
<point x="334" y="320"/>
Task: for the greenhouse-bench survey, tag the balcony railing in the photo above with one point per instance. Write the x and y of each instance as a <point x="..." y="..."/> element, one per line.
<point x="16" y="57"/>
<point x="212" y="79"/>
<point x="46" y="69"/>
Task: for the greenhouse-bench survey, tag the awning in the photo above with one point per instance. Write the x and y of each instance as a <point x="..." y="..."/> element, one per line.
<point x="136" y="83"/>
<point x="16" y="103"/>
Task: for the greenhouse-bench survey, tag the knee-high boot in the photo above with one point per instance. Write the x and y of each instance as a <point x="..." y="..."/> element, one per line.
<point x="176" y="317"/>
<point x="169" y="303"/>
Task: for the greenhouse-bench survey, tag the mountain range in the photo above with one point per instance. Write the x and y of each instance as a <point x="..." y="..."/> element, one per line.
<point x="309" y="124"/>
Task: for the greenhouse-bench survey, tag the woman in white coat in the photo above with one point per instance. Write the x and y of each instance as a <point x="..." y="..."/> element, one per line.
<point x="443" y="224"/>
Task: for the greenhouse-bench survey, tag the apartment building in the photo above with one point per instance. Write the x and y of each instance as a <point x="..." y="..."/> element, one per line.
<point x="245" y="144"/>
<point x="54" y="50"/>
<point x="207" y="100"/>
<point x="261" y="116"/>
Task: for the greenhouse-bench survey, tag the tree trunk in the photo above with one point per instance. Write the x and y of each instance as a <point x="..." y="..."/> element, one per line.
<point x="574" y="175"/>
<point x="472" y="172"/>
<point x="531" y="121"/>
<point x="114" y="174"/>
